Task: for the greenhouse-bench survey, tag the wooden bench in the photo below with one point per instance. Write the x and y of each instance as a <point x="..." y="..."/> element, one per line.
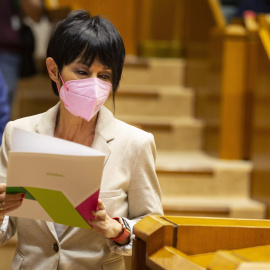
<point x="168" y="242"/>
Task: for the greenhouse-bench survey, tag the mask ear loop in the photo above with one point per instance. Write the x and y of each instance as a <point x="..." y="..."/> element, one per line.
<point x="62" y="83"/>
<point x="64" y="86"/>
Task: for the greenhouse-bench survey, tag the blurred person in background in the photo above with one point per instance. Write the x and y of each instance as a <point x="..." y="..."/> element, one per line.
<point x="12" y="38"/>
<point x="4" y="107"/>
<point x="258" y="6"/>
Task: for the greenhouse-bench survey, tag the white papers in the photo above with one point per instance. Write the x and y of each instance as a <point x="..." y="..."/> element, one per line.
<point x="69" y="174"/>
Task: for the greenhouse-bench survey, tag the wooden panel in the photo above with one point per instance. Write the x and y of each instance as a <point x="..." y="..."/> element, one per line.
<point x="218" y="222"/>
<point x="199" y="236"/>
<point x="201" y="239"/>
<point x="139" y="255"/>
<point x="202" y="235"/>
<point x="199" y="22"/>
<point x="166" y="20"/>
<point x="123" y="14"/>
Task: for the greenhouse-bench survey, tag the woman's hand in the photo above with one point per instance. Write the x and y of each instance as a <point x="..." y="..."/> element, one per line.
<point x="9" y="202"/>
<point x="105" y="225"/>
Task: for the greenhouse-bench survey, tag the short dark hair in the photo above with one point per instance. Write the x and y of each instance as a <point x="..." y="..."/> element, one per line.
<point x="81" y="35"/>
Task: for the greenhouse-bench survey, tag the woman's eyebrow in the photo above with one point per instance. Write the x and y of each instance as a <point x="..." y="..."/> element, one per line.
<point x="106" y="68"/>
<point x="82" y="62"/>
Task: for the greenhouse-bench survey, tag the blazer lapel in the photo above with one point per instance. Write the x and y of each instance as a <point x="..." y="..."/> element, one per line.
<point x="48" y="121"/>
<point x="105" y="132"/>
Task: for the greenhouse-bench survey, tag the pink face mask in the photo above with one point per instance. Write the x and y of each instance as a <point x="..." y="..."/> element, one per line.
<point x="84" y="97"/>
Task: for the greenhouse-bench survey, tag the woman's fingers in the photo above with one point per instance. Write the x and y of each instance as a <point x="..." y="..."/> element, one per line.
<point x="9" y="202"/>
<point x="6" y="206"/>
<point x="100" y="205"/>
<point x="103" y="224"/>
<point x="9" y="206"/>
<point x="11" y="197"/>
<point x="2" y="188"/>
<point x="100" y="214"/>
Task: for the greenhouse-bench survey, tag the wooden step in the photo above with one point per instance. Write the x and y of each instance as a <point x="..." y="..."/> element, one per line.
<point x="171" y="133"/>
<point x="153" y="101"/>
<point x="192" y="174"/>
<point x="157" y="71"/>
<point x="213" y="207"/>
<point x="34" y="96"/>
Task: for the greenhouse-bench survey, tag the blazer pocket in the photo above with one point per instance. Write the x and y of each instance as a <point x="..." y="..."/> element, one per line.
<point x="18" y="260"/>
<point x="117" y="264"/>
<point x="108" y="198"/>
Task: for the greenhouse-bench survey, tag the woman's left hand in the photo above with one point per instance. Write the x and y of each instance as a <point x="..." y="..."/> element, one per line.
<point x="103" y="224"/>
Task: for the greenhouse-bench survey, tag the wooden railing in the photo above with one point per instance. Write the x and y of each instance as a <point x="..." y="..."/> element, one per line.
<point x="167" y="242"/>
<point x="239" y="70"/>
<point x="233" y="92"/>
<point x="245" y="83"/>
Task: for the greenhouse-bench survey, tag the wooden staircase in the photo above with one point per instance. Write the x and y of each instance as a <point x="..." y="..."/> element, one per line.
<point x="192" y="182"/>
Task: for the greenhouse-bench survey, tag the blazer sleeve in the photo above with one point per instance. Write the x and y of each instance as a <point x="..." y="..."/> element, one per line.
<point x="7" y="230"/>
<point x="5" y="148"/>
<point x="144" y="195"/>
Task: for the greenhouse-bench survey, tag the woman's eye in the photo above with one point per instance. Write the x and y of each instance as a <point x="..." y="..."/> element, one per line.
<point x="105" y="77"/>
<point x="81" y="72"/>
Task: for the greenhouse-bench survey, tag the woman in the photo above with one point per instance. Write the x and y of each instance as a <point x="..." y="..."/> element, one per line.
<point x="85" y="60"/>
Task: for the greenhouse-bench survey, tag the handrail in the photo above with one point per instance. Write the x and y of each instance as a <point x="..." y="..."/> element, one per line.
<point x="265" y="39"/>
<point x="250" y="22"/>
<point x="217" y="13"/>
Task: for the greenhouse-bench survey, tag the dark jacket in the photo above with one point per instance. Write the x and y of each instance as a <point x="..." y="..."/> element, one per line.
<point x="258" y="6"/>
<point x="4" y="107"/>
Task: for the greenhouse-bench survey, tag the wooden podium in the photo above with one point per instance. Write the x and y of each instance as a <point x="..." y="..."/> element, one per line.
<point x="167" y="242"/>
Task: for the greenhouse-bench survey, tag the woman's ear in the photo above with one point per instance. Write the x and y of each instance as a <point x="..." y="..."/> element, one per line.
<point x="52" y="69"/>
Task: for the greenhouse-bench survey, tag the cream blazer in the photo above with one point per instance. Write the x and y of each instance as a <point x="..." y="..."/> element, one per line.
<point x="129" y="189"/>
